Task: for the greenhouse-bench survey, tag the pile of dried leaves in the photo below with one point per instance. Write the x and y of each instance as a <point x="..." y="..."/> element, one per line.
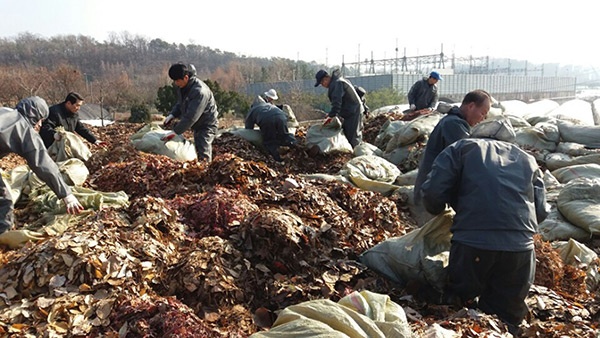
<point x="216" y="250"/>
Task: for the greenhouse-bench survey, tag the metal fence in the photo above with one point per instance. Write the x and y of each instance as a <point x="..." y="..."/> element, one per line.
<point x="452" y="87"/>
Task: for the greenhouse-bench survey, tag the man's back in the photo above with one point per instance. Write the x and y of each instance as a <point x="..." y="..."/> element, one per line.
<point x="496" y="190"/>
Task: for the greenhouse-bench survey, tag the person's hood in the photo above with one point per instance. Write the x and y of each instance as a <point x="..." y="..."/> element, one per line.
<point x="33" y="109"/>
<point x="498" y="129"/>
<point x="336" y="74"/>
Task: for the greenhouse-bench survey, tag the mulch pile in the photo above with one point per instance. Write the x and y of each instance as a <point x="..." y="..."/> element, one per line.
<point x="215" y="250"/>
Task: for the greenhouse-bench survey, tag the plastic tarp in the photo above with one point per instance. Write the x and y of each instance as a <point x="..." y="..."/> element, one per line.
<point x="387" y="131"/>
<point x="420" y="255"/>
<point x="579" y="203"/>
<point x="575" y="149"/>
<point x="540" y="137"/>
<point x="556" y="227"/>
<point x="399" y="155"/>
<point x="373" y="173"/>
<point x="46" y="201"/>
<point x="540" y="108"/>
<point x="148" y="139"/>
<point x="422" y="126"/>
<point x="327" y="177"/>
<point x="366" y="148"/>
<point x="596" y="111"/>
<point x="15" y="180"/>
<point x="391" y="109"/>
<point x="567" y="174"/>
<point x="586" y="135"/>
<point x="362" y="314"/>
<point x="73" y="171"/>
<point x="251" y="135"/>
<point x="417" y="211"/>
<point x="576" y="110"/>
<point x="329" y="138"/>
<point x="408" y="178"/>
<point x="371" y="167"/>
<point x="291" y="117"/>
<point x="560" y="160"/>
<point x="517" y="121"/>
<point x="69" y="146"/>
<point x="514" y="107"/>
<point x="579" y="255"/>
<point x="383" y="188"/>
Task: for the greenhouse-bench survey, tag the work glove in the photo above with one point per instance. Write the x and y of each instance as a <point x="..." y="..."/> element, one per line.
<point x="168" y="120"/>
<point x="327" y="120"/>
<point x="57" y="137"/>
<point x="72" y="204"/>
<point x="168" y="137"/>
<point x="16" y="238"/>
<point x="413" y="107"/>
<point x="100" y="143"/>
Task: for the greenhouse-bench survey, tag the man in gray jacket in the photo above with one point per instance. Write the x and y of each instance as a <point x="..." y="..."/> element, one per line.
<point x="498" y="194"/>
<point x="423" y="93"/>
<point x="18" y="135"/>
<point x="345" y="102"/>
<point x="196" y="109"/>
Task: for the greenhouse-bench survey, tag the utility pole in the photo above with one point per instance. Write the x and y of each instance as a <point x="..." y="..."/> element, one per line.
<point x="101" y="107"/>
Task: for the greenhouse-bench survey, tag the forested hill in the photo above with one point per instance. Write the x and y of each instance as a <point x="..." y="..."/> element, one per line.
<point x="123" y="69"/>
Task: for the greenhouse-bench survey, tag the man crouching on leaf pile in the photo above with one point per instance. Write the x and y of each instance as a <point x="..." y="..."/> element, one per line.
<point x="18" y="134"/>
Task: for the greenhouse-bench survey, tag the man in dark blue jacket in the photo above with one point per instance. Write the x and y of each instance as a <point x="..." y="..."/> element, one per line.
<point x="66" y="115"/>
<point x="498" y="194"/>
<point x="272" y="122"/>
<point x="423" y="93"/>
<point x="454" y="126"/>
<point x="345" y="102"/>
<point x="196" y="109"/>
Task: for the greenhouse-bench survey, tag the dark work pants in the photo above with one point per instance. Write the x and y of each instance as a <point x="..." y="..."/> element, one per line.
<point x="203" y="138"/>
<point x="6" y="208"/>
<point x="352" y="127"/>
<point x="275" y="134"/>
<point x="501" y="279"/>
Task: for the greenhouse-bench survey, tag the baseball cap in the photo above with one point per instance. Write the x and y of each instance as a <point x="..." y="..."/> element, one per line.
<point x="436" y="76"/>
<point x="320" y="75"/>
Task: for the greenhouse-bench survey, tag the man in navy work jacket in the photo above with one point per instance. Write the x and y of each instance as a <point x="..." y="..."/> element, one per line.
<point x="272" y="122"/>
<point x="424" y="93"/>
<point x="345" y="102"/>
<point x="498" y="194"/>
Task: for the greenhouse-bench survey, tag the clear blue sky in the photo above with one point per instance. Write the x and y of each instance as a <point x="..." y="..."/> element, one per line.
<point x="542" y="32"/>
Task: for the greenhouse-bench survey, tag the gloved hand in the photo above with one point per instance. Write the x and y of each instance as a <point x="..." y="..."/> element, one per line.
<point x="327" y="120"/>
<point x="16" y="238"/>
<point x="168" y="120"/>
<point x="72" y="204"/>
<point x="413" y="107"/>
<point x="168" y="137"/>
<point x="100" y="143"/>
<point x="57" y="137"/>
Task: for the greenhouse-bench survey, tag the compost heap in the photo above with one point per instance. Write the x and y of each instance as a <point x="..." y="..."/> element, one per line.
<point x="217" y="250"/>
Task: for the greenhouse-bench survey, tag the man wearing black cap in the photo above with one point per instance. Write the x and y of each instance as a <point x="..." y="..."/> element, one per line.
<point x="423" y="94"/>
<point x="196" y="109"/>
<point x="345" y="102"/>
